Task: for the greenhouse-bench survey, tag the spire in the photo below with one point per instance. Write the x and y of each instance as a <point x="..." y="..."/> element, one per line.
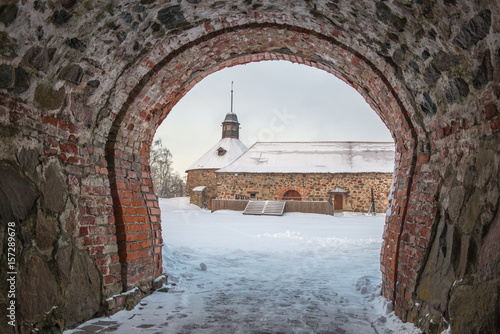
<point x="231" y="97"/>
<point x="230" y="126"/>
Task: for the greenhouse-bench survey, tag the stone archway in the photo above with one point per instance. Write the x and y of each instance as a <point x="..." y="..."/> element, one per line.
<point x="183" y="69"/>
<point x="82" y="96"/>
<point x="291" y="195"/>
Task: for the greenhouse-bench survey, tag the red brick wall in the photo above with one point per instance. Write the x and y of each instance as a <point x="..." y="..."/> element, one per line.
<point x="137" y="216"/>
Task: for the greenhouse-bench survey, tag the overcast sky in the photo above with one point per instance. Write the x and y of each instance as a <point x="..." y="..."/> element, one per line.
<point x="274" y="101"/>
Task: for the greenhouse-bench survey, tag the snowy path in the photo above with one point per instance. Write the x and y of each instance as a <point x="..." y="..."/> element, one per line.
<point x="299" y="273"/>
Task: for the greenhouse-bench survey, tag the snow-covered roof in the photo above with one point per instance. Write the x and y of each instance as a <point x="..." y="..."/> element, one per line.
<point x="338" y="190"/>
<point x="315" y="157"/>
<point x="213" y="160"/>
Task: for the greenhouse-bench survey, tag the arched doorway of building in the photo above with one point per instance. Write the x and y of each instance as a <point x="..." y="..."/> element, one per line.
<point x="292" y="195"/>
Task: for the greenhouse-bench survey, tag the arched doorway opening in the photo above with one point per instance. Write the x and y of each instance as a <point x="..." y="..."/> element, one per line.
<point x="172" y="74"/>
<point x="291" y="195"/>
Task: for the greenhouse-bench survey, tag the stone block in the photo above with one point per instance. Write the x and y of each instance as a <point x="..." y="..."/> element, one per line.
<point x="6" y="76"/>
<point x="54" y="188"/>
<point x="38" y="290"/>
<point x="80" y="110"/>
<point x="8" y="13"/>
<point x="49" y="99"/>
<point x="475" y="30"/>
<point x="484" y="73"/>
<point x="63" y="259"/>
<point x="39" y="58"/>
<point x="172" y="17"/>
<point x="68" y="4"/>
<point x="28" y="159"/>
<point x="13" y="79"/>
<point x="46" y="232"/>
<point x="8" y="46"/>
<point x="383" y="12"/>
<point x="83" y="295"/>
<point x="489" y="259"/>
<point x="475" y="307"/>
<point x="76" y="44"/>
<point x="21" y="80"/>
<point x="72" y="73"/>
<point x="17" y="194"/>
<point x="60" y="17"/>
<point x="428" y="106"/>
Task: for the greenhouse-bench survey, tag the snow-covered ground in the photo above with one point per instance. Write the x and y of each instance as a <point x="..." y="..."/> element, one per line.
<point x="232" y="273"/>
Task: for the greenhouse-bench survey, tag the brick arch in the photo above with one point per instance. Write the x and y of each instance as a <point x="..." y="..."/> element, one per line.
<point x="283" y="191"/>
<point x="292" y="194"/>
<point x="169" y="77"/>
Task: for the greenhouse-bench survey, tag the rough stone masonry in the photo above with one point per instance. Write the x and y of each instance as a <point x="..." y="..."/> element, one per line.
<point x="85" y="84"/>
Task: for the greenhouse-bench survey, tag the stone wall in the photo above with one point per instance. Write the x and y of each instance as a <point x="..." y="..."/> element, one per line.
<point x="199" y="197"/>
<point x="205" y="178"/>
<point x="85" y="84"/>
<point x="310" y="186"/>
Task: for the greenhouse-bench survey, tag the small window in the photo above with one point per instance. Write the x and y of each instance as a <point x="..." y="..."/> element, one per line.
<point x="221" y="151"/>
<point x="253" y="195"/>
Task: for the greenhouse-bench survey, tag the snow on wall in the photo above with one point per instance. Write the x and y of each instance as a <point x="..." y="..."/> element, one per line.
<point x="315" y="157"/>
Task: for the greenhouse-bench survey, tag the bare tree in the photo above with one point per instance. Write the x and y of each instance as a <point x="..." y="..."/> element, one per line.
<point x="177" y="185"/>
<point x="165" y="182"/>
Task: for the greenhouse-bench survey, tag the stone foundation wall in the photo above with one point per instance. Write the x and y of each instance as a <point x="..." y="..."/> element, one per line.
<point x="199" y="197"/>
<point x="310" y="186"/>
<point x="205" y="178"/>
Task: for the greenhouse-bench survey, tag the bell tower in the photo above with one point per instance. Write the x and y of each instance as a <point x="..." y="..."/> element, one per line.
<point x="230" y="126"/>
